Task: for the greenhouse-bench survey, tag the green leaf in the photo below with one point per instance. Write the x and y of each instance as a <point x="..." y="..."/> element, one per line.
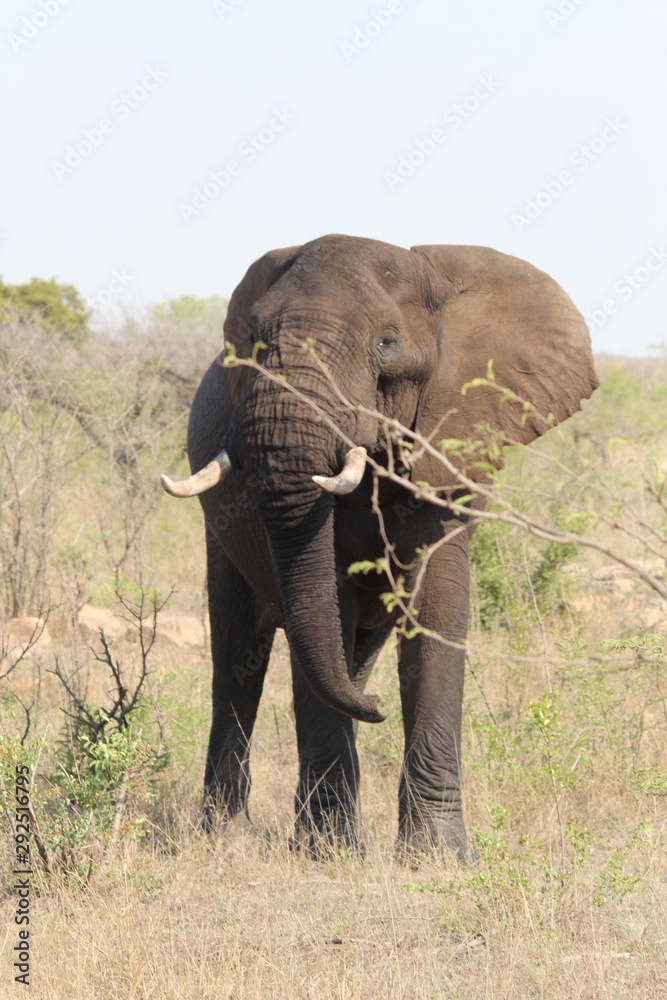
<point x="452" y="444"/>
<point x="651" y="780"/>
<point x="473" y="384"/>
<point x="366" y="566"/>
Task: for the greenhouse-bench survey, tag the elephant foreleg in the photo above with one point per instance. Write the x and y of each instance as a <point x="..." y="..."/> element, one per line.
<point x="240" y="650"/>
<point x="326" y="802"/>
<point x="431" y="680"/>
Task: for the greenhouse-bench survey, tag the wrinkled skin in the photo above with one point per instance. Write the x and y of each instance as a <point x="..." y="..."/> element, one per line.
<point x="400" y="331"/>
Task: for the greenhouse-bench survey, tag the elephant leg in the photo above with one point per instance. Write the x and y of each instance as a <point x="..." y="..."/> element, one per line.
<point x="326" y="798"/>
<point x="240" y="649"/>
<point x="431" y="680"/>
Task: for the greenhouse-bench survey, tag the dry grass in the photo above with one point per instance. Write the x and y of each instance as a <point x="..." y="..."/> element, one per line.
<point x="243" y="917"/>
<point x="244" y="922"/>
<point x="567" y="897"/>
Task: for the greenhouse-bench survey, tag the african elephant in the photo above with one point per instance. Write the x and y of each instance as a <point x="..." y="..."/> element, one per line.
<point x="360" y="331"/>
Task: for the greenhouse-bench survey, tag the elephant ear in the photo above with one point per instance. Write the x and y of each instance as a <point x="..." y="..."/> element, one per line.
<point x="501" y="310"/>
<point x="237" y="328"/>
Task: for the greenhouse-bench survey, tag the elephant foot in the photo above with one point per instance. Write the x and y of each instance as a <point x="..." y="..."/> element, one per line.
<point x="433" y="836"/>
<point x="222" y="822"/>
<point x="329" y="838"/>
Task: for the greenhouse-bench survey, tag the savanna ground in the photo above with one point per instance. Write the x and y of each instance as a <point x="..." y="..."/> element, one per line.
<point x="564" y="726"/>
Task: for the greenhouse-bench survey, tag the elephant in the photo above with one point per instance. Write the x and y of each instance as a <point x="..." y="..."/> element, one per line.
<point x="350" y="336"/>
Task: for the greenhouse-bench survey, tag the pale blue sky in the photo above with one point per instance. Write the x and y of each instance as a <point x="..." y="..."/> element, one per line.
<point x="550" y="83"/>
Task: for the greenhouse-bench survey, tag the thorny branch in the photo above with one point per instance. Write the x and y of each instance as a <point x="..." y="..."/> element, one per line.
<point x="24" y="647"/>
<point x="508" y="514"/>
<point x="123" y="703"/>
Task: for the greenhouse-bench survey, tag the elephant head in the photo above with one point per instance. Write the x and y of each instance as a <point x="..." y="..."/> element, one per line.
<point x="395" y="333"/>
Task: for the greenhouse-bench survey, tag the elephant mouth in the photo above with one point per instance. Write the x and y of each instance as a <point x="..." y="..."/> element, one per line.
<point x="304" y="563"/>
<point x="300" y="534"/>
<point x="217" y="470"/>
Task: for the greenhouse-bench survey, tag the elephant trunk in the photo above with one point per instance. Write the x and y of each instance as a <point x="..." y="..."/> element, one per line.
<point x="281" y="439"/>
<point x="306" y="571"/>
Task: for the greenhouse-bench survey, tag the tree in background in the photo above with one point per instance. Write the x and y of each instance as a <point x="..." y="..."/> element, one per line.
<point x="189" y="333"/>
<point x="59" y="307"/>
<point x="108" y="411"/>
<point x="190" y="312"/>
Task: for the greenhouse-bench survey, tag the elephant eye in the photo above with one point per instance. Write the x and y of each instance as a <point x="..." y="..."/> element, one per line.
<point x="388" y="342"/>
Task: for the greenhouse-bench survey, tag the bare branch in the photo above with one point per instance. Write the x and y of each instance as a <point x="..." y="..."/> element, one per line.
<point x="35" y="636"/>
<point x="39" y="840"/>
<point x="508" y="514"/>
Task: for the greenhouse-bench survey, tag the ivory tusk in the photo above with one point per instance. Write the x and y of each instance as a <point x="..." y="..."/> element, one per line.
<point x="209" y="476"/>
<point x="348" y="478"/>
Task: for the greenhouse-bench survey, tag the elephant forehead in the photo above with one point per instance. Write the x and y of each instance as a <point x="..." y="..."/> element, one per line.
<point x="339" y="248"/>
<point x="360" y="260"/>
<point x="342" y="286"/>
<point x="337" y="294"/>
